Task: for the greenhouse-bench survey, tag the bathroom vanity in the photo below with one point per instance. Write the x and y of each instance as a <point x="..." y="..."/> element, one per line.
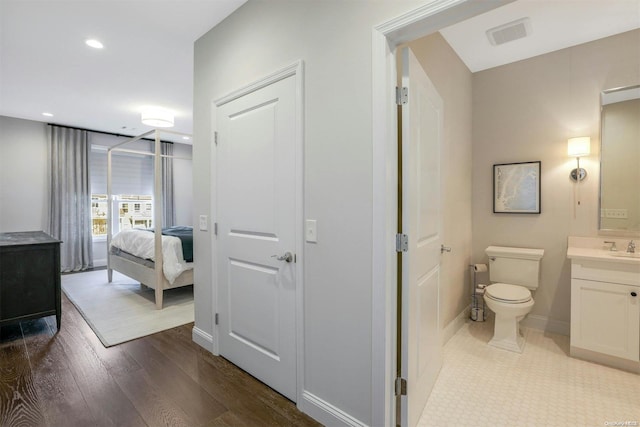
<point x="605" y="302"/>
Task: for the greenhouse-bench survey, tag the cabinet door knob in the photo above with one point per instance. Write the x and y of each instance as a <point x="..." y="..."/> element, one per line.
<point x="633" y="294"/>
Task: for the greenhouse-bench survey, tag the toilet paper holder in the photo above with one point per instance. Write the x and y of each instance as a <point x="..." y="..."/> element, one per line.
<point x="478" y="310"/>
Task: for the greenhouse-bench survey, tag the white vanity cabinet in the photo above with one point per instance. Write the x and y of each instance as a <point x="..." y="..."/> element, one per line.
<point x="605" y="312"/>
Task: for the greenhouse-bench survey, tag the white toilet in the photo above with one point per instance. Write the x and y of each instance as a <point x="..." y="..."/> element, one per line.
<point x="513" y="272"/>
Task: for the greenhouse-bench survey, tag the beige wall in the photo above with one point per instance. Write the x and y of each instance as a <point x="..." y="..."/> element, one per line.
<point x="525" y="111"/>
<point x="453" y="80"/>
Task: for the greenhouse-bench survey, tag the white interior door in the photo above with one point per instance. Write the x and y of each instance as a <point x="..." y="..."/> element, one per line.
<point x="256" y="208"/>
<point x="421" y="352"/>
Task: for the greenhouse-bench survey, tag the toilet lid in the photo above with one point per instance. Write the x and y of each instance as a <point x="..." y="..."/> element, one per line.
<point x="508" y="293"/>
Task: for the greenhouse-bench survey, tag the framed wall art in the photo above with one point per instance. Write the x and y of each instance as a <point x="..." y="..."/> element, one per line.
<point x="516" y="188"/>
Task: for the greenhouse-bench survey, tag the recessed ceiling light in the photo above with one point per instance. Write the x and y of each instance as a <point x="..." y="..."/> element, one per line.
<point x="47" y="114"/>
<point x="186" y="137"/>
<point x="94" y="43"/>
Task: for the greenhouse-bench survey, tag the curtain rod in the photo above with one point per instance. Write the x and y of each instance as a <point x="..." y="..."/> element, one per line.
<point x="105" y="132"/>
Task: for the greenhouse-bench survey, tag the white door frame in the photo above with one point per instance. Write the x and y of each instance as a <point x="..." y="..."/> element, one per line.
<point x="386" y="37"/>
<point x="297" y="70"/>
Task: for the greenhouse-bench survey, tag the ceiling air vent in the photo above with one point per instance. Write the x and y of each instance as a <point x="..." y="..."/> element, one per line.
<point x="508" y="32"/>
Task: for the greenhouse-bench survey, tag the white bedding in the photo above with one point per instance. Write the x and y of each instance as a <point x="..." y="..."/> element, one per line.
<point x="141" y="244"/>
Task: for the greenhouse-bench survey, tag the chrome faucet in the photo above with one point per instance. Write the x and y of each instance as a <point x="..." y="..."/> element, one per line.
<point x="631" y="248"/>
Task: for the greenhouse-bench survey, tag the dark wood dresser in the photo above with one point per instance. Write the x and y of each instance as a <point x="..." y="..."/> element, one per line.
<point x="29" y="276"/>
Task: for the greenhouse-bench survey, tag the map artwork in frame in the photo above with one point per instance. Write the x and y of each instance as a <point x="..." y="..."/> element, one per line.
<point x="516" y="188"/>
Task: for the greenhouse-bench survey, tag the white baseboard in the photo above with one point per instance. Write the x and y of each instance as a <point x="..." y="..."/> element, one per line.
<point x="325" y="413"/>
<point x="203" y="339"/>
<point x="543" y="323"/>
<point x="455" y="325"/>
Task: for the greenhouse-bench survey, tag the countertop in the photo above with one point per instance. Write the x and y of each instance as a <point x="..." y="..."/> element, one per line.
<point x="591" y="254"/>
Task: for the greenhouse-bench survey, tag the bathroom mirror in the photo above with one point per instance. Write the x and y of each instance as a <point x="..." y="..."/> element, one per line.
<point x="620" y="160"/>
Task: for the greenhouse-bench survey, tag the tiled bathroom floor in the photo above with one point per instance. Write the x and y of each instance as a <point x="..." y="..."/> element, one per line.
<point x="484" y="386"/>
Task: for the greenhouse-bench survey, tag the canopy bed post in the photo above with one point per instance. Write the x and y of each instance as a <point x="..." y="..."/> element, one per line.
<point x="109" y="216"/>
<point x="154" y="275"/>
<point x="157" y="218"/>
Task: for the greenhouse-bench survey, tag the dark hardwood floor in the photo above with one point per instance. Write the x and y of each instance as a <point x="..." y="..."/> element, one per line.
<point x="69" y="379"/>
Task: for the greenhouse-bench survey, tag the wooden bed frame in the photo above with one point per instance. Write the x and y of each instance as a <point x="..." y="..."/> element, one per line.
<point x="148" y="276"/>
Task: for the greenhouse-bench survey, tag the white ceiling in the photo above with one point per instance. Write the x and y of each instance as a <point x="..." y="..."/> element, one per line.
<point x="147" y="59"/>
<point x="148" y="55"/>
<point x="555" y="24"/>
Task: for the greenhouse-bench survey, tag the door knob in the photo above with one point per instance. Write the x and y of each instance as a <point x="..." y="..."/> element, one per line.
<point x="633" y="294"/>
<point x="444" y="249"/>
<point x="288" y="257"/>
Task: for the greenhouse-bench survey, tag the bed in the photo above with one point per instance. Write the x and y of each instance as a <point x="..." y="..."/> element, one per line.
<point x="159" y="258"/>
<point x="132" y="253"/>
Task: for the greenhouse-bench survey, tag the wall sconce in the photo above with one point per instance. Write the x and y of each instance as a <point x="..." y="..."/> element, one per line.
<point x="578" y="147"/>
<point x="157" y="118"/>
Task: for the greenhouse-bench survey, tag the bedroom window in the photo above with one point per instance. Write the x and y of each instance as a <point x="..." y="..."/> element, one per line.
<point x="98" y="215"/>
<point x="134" y="211"/>
<point x="132" y="186"/>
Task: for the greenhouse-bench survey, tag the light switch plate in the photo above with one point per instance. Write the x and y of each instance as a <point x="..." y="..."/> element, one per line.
<point x="311" y="231"/>
<point x="204" y="220"/>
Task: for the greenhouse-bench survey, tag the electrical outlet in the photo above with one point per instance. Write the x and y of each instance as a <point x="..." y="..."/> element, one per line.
<point x="616" y="213"/>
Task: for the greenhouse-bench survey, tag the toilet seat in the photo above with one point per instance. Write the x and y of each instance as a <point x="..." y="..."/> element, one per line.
<point x="508" y="294"/>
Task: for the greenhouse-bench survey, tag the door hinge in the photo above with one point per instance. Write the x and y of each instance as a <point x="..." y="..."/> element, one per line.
<point x="215" y="137"/>
<point x="401" y="387"/>
<point x="402" y="242"/>
<point x="402" y="95"/>
<point x="216" y="319"/>
<point x="215" y="228"/>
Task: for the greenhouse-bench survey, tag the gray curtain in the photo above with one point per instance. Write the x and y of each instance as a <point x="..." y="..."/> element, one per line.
<point x="70" y="197"/>
<point x="168" y="205"/>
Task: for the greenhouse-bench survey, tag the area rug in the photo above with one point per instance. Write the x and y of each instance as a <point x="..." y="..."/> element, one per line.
<point x="123" y="310"/>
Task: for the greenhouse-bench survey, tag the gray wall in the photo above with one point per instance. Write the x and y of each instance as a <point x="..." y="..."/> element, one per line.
<point x="183" y="184"/>
<point x="24" y="175"/>
<point x="526" y="111"/>
<point x="333" y="38"/>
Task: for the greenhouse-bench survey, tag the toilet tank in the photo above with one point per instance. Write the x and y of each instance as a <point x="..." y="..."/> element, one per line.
<point x="515" y="266"/>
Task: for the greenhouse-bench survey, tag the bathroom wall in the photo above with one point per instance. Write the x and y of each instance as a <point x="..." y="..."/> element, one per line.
<point x="452" y="80"/>
<point x="526" y="111"/>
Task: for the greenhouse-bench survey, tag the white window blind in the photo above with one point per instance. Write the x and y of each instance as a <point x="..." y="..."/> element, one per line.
<point x="131" y="173"/>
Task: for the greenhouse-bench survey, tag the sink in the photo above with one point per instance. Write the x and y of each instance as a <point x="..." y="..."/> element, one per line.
<point x="625" y="254"/>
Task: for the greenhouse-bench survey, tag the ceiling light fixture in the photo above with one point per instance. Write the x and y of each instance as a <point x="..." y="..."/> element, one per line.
<point x="47" y="114"/>
<point x="94" y="43"/>
<point x="157" y="117"/>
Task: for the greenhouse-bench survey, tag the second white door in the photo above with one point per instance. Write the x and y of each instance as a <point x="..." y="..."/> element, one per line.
<point x="256" y="207"/>
<point x="421" y="348"/>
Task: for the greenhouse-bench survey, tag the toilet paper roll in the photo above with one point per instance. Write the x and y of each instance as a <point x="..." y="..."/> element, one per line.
<point x="479" y="291"/>
<point x="480" y="268"/>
